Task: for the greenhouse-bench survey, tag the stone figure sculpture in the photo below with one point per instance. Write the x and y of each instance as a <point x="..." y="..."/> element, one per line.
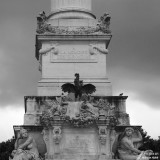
<point x="41" y="23"/>
<point x="46" y="50"/>
<point x="25" y="147"/>
<point x="100" y="49"/>
<point x="124" y="146"/>
<point x="78" y="88"/>
<point x="104" y="23"/>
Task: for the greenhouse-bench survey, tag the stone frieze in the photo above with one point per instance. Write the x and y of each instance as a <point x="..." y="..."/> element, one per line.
<point x="78" y="114"/>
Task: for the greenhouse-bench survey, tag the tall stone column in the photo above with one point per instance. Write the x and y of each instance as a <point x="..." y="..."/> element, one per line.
<point x="70" y="4"/>
<point x="71" y="9"/>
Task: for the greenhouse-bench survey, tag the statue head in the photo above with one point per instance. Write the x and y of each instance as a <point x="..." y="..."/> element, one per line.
<point x="77" y="75"/>
<point x="129" y="131"/>
<point x="23" y="133"/>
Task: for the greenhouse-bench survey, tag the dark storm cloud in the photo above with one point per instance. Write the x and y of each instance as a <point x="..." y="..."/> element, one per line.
<point x="142" y="88"/>
<point x="134" y="49"/>
<point x="18" y="66"/>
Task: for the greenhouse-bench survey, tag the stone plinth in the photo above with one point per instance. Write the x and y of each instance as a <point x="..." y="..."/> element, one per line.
<point x="61" y="134"/>
<point x="84" y="122"/>
<point x="83" y="54"/>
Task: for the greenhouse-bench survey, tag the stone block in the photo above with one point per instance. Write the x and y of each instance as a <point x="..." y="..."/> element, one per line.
<point x="31" y="119"/>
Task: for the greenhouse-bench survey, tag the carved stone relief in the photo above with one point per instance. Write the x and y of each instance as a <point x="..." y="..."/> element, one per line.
<point x="57" y="135"/>
<point x="45" y="134"/>
<point x="80" y="144"/>
<point x="102" y="135"/>
<point x="52" y="48"/>
<point x="104" y="23"/>
<point x="79" y="114"/>
<point x="102" y="27"/>
<point x="57" y="138"/>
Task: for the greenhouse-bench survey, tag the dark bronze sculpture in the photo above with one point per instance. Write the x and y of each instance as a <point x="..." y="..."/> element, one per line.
<point x="78" y="88"/>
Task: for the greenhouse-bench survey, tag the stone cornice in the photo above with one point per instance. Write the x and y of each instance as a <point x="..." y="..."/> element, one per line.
<point x="73" y="37"/>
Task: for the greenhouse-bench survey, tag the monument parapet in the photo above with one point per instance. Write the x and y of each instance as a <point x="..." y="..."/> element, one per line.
<point x="74" y="115"/>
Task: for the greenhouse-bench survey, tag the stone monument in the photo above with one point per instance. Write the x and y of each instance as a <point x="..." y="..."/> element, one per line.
<point x="75" y="116"/>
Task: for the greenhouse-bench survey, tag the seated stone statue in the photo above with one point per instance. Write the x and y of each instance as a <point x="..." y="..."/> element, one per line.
<point x="124" y="146"/>
<point x="25" y="147"/>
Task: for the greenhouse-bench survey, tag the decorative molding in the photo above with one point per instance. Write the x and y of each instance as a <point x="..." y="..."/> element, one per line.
<point x="45" y="29"/>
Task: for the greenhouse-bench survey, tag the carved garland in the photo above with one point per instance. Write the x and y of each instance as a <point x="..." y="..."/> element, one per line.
<point x="101" y="27"/>
<point x="88" y="114"/>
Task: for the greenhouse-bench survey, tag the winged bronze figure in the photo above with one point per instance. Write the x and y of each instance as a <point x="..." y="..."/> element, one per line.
<point x="78" y="88"/>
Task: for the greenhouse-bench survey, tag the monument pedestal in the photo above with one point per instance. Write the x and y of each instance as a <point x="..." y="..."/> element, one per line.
<point x="83" y="124"/>
<point x="74" y="130"/>
<point x="73" y="54"/>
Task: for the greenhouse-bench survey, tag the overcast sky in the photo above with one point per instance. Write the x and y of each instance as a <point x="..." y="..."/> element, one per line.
<point x="134" y="58"/>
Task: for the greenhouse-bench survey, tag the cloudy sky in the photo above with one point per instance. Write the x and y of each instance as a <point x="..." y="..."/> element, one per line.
<point x="134" y="58"/>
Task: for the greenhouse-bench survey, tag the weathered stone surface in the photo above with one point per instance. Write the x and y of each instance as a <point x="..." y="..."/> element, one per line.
<point x="58" y="66"/>
<point x="77" y="125"/>
<point x="78" y="114"/>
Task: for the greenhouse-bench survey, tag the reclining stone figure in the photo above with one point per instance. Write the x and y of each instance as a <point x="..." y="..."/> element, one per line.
<point x="25" y="147"/>
<point x="125" y="144"/>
